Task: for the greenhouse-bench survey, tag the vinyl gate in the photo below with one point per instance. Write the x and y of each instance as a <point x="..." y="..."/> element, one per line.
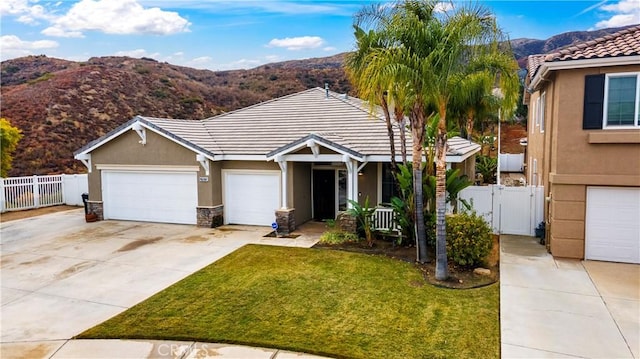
<point x="19" y="193"/>
<point x="509" y="210"/>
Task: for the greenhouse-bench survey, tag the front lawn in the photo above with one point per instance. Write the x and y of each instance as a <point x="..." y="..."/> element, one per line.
<point x="317" y="301"/>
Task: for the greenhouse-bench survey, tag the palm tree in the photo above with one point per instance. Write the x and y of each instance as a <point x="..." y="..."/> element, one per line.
<point x="428" y="53"/>
<point x="469" y="43"/>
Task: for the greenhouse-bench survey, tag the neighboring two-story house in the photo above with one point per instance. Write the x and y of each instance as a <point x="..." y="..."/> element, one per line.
<point x="584" y="146"/>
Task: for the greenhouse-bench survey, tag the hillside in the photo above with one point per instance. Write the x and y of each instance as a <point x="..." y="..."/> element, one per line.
<point x="61" y="105"/>
<point x="523" y="47"/>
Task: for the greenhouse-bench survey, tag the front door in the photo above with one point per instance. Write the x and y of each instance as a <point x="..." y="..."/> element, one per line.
<point x="324" y="194"/>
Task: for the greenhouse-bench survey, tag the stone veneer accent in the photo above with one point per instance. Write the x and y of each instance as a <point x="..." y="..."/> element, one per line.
<point x="347" y="222"/>
<point x="97" y="208"/>
<point x="286" y="220"/>
<point x="210" y="216"/>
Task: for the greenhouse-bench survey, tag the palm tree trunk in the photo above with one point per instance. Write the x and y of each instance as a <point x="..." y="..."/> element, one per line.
<point x="392" y="144"/>
<point x="469" y="126"/>
<point x="441" y="192"/>
<point x="417" y="131"/>
<point x="403" y="138"/>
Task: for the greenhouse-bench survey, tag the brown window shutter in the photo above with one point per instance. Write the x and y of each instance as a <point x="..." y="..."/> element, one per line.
<point x="593" y="102"/>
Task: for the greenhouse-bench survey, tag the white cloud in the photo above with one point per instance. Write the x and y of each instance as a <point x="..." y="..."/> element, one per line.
<point x="27" y="11"/>
<point x="443" y="6"/>
<point x="625" y="12"/>
<point x="200" y="61"/>
<point x="58" y="32"/>
<point x="297" y="43"/>
<point x="116" y="17"/>
<point x="137" y="53"/>
<point x="329" y="48"/>
<point x="272" y="58"/>
<point x="12" y="46"/>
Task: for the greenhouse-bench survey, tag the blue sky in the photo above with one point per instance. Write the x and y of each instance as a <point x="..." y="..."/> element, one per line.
<point x="222" y="35"/>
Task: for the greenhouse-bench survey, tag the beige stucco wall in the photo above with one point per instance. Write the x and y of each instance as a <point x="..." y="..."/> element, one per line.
<point x="368" y="184"/>
<point x="467" y="167"/>
<point x="570" y="158"/>
<point x="158" y="151"/>
<point x="575" y="155"/>
<point x="301" y="191"/>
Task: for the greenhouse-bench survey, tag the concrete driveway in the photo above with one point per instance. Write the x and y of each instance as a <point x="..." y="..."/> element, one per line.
<point x="563" y="308"/>
<point x="61" y="276"/>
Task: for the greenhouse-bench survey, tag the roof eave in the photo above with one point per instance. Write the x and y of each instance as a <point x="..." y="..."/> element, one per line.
<point x="317" y="139"/>
<point x="128" y="126"/>
<point x="546" y="67"/>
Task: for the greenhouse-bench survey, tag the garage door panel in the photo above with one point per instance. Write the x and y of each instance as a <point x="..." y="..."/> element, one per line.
<point x="251" y="197"/>
<point x="167" y="197"/>
<point x="612" y="226"/>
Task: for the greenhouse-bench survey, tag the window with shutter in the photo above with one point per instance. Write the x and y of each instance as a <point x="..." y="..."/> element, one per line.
<point x="593" y="102"/>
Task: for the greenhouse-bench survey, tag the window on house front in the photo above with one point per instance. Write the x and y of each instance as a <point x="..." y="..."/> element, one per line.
<point x="621" y="100"/>
<point x="389" y="188"/>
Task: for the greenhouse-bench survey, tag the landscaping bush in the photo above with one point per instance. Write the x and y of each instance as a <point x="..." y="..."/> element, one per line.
<point x="487" y="167"/>
<point x="338" y="237"/>
<point x="469" y="239"/>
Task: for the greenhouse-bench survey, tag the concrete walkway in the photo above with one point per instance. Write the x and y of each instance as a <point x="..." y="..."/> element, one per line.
<point x="143" y="349"/>
<point x="560" y="308"/>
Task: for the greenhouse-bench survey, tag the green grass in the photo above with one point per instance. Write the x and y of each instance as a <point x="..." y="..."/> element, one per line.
<point x="317" y="301"/>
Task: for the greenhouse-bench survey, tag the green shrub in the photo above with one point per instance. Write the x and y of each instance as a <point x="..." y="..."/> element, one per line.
<point x="469" y="239"/>
<point x="487" y="166"/>
<point x="364" y="215"/>
<point x="338" y="237"/>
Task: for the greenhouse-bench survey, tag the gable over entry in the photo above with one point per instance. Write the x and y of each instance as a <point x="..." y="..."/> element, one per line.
<point x="336" y="153"/>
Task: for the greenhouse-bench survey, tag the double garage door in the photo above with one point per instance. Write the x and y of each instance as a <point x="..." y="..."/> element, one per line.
<point x="150" y="196"/>
<point x="250" y="197"/>
<point x="613" y="224"/>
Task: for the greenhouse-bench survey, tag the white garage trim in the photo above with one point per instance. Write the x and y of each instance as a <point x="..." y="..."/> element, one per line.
<point x="140" y="168"/>
<point x="612" y="230"/>
<point x="150" y="196"/>
<point x="251" y="196"/>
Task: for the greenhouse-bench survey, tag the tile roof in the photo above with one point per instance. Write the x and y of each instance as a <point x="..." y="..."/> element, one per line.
<point x="622" y="43"/>
<point x="275" y="126"/>
<point x="265" y="127"/>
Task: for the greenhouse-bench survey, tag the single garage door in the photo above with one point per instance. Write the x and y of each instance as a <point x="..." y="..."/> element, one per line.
<point x="251" y="197"/>
<point x="167" y="197"/>
<point x="612" y="225"/>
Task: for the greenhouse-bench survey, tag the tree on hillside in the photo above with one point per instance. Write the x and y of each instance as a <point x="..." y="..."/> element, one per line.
<point x="430" y="52"/>
<point x="9" y="137"/>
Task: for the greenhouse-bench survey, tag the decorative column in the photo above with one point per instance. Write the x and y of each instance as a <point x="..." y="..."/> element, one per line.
<point x="285" y="216"/>
<point x="350" y="173"/>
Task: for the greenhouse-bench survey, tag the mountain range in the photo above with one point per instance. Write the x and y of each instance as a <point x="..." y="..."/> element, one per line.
<point x="60" y="105"/>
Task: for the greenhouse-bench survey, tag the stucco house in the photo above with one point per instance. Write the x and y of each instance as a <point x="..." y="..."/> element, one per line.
<point x="294" y="158"/>
<point x="584" y="146"/>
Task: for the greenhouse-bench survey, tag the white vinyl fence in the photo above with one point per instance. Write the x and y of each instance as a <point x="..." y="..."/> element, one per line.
<point x="512" y="162"/>
<point x="19" y="193"/>
<point x="509" y="210"/>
